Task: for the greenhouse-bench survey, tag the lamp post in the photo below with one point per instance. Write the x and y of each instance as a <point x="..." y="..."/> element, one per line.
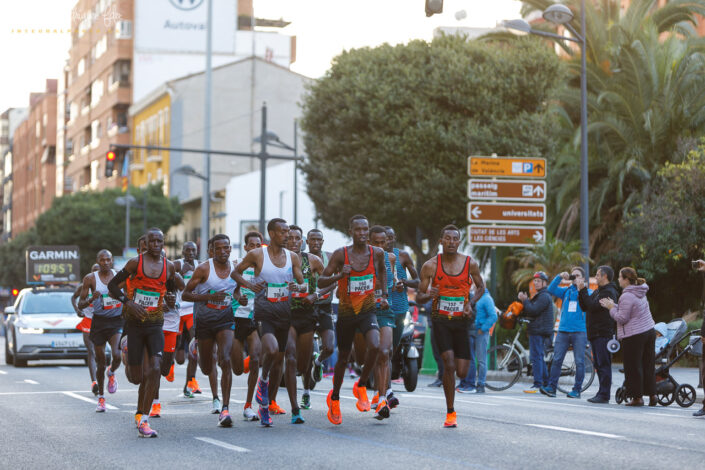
<point x="562" y="15"/>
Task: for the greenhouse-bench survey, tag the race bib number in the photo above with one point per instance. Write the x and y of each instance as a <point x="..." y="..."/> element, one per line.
<point x="187" y="277"/>
<point x="324" y="296"/>
<point x="219" y="304"/>
<point x="573" y="306"/>
<point x="147" y="299"/>
<point x="277" y="292"/>
<point x="361" y="285"/>
<point x="301" y="295"/>
<point x="109" y="303"/>
<point x="451" y="306"/>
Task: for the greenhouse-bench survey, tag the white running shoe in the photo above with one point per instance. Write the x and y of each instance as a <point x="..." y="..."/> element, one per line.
<point x="249" y="414"/>
<point x="216" y="406"/>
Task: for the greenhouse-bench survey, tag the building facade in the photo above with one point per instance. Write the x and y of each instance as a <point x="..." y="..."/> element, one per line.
<point x="33" y="161"/>
<point x="9" y="120"/>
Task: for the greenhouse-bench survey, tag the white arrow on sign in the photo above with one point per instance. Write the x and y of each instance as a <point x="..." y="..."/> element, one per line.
<point x="538" y="190"/>
<point x="538" y="236"/>
<point x="476" y="212"/>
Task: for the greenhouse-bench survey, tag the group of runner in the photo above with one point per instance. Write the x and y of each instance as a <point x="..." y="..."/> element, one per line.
<point x="258" y="315"/>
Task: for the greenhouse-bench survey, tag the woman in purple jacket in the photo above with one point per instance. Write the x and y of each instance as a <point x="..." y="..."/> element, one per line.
<point x="635" y="327"/>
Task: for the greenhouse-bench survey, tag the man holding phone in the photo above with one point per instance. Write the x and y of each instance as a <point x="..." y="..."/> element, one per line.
<point x="571" y="331"/>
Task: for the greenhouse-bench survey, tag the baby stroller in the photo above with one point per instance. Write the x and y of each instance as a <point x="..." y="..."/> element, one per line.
<point x="667" y="389"/>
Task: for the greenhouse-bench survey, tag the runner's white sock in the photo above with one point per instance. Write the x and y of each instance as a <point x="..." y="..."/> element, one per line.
<point x="155" y="402"/>
<point x="306" y="392"/>
<point x="389" y="392"/>
<point x="317" y="362"/>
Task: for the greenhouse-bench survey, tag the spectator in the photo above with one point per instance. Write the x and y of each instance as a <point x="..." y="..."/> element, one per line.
<point x="485" y="318"/>
<point x="635" y="327"/>
<point x="466" y="386"/>
<point x="571" y="332"/>
<point x="600" y="328"/>
<point x="539" y="310"/>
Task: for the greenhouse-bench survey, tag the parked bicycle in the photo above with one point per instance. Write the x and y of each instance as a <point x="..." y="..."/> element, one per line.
<point x="506" y="363"/>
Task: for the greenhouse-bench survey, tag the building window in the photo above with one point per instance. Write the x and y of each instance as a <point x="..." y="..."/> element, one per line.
<point x="120" y="73"/>
<point x="96" y="92"/>
<point x="81" y="67"/>
<point x="123" y="29"/>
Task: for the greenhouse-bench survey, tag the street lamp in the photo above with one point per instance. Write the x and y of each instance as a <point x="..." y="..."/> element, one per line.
<point x="562" y="15"/>
<point x="188" y="170"/>
<point x="127" y="201"/>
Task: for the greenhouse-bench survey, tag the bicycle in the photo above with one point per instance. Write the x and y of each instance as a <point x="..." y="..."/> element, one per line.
<point x="506" y="362"/>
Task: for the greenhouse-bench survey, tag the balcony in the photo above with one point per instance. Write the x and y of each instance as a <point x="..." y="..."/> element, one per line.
<point x="95" y="143"/>
<point x="85" y="149"/>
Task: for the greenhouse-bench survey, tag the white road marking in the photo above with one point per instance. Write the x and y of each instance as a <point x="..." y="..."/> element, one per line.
<point x="30" y="381"/>
<point x="222" y="444"/>
<point x="64" y="368"/>
<point x="79" y="397"/>
<point x="2" y="372"/>
<point x="577" y="431"/>
<point x="434" y="397"/>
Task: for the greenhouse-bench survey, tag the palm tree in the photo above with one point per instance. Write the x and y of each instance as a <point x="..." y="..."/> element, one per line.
<point x="553" y="257"/>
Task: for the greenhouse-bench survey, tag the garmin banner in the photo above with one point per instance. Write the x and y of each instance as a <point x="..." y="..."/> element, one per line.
<point x="53" y="264"/>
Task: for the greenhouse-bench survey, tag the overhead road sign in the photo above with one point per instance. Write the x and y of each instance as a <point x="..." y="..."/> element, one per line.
<point x="507" y="167"/>
<point x="506" y="235"/>
<point x="506" y="213"/>
<point x="507" y="190"/>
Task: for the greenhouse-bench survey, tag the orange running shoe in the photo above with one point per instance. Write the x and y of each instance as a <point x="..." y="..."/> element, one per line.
<point x="363" y="403"/>
<point x="451" y="421"/>
<point x="334" y="415"/>
<point x="246" y="364"/>
<point x="356" y="385"/>
<point x="193" y="385"/>
<point x="375" y="399"/>
<point x="170" y="375"/>
<point x="382" y="411"/>
<point x="156" y="411"/>
<point x="328" y="398"/>
<point x="138" y="419"/>
<point x="276" y="409"/>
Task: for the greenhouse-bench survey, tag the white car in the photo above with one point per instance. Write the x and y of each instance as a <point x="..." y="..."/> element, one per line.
<point x="42" y="325"/>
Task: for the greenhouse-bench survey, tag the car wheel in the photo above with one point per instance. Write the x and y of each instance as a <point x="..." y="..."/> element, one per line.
<point x="9" y="358"/>
<point x="18" y="362"/>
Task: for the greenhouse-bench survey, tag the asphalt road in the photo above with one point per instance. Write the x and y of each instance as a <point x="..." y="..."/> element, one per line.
<point x="48" y="421"/>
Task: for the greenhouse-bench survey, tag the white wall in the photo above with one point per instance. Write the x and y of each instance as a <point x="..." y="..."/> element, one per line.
<point x="242" y="204"/>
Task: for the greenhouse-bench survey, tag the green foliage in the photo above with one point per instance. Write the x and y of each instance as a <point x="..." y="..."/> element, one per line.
<point x="666" y="232"/>
<point x="389" y="129"/>
<point x="93" y="221"/>
<point x="553" y="257"/>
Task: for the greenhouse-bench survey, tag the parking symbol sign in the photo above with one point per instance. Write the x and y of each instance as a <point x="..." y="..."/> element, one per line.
<point x="528" y="168"/>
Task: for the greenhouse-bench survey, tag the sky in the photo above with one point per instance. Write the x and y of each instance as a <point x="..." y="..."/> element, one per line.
<point x="323" y="29"/>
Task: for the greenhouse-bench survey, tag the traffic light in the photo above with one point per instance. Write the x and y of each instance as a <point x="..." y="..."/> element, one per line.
<point x="15" y="292"/>
<point x="109" y="163"/>
<point x="433" y="7"/>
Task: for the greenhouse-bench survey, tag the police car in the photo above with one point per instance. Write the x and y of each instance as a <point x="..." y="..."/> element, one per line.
<point x="42" y="325"/>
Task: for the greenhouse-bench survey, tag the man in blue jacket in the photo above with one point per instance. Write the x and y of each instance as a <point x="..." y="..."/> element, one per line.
<point x="571" y="332"/>
<point x="485" y="317"/>
<point x="539" y="311"/>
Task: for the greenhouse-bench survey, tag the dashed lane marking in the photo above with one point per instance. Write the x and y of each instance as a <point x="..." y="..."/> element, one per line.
<point x="222" y="444"/>
<point x="30" y="381"/>
<point x="577" y="431"/>
<point x="79" y="397"/>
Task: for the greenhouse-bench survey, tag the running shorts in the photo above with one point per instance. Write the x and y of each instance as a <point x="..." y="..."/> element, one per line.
<point x="346" y="327"/>
<point x="84" y="325"/>
<point x="102" y="329"/>
<point x="170" y="341"/>
<point x="244" y="328"/>
<point x="139" y="337"/>
<point x="452" y="335"/>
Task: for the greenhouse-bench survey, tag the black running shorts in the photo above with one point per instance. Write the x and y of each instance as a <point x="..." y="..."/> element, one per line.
<point x="141" y="336"/>
<point x="102" y="329"/>
<point x="346" y="327"/>
<point x="452" y="335"/>
<point x="209" y="330"/>
<point x="324" y="318"/>
<point x="273" y="325"/>
<point x="303" y="322"/>
<point x="244" y="328"/>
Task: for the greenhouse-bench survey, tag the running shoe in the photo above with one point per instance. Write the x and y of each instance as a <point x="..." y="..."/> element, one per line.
<point x="533" y="389"/>
<point x="187" y="392"/>
<point x="392" y="401"/>
<point x="94" y="388"/>
<point x="468" y="389"/>
<point x="334" y="415"/>
<point x="215" y="409"/>
<point x="451" y="420"/>
<point x="138" y="418"/>
<point x="363" y="403"/>
<point x="170" y="375"/>
<point x="382" y="411"/>
<point x="246" y="364"/>
<point x="224" y="420"/>
<point x="296" y="417"/>
<point x="330" y="397"/>
<point x="101" y="406"/>
<point x="145" y="430"/>
<point x="276" y="409"/>
<point x="262" y="394"/>
<point x="193" y="385"/>
<point x="249" y="414"/>
<point x="156" y="411"/>
<point x="306" y="402"/>
<point x="112" y="382"/>
<point x="193" y="350"/>
<point x="317" y="369"/>
<point x="265" y="419"/>
<point x="375" y="399"/>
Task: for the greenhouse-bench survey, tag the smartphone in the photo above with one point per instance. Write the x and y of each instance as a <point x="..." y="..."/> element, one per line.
<point x="572" y="277"/>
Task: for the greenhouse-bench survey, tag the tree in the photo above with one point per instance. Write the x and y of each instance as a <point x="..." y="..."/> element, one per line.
<point x="553" y="257"/>
<point x="389" y="129"/>
<point x="93" y="221"/>
<point x="665" y="233"/>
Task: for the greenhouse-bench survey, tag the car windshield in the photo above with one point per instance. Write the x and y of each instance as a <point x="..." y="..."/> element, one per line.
<point x="46" y="302"/>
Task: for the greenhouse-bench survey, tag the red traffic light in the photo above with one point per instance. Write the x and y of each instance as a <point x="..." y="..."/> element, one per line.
<point x="15" y="292"/>
<point x="110" y="156"/>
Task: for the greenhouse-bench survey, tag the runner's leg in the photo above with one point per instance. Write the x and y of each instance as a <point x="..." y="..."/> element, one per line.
<point x="254" y="347"/>
<point x="91" y="356"/>
<point x="225" y="345"/>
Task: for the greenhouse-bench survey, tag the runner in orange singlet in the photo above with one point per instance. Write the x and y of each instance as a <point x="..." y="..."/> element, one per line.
<point x="447" y="280"/>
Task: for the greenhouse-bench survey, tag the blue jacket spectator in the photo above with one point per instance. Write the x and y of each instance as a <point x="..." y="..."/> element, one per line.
<point x="572" y="316"/>
<point x="485" y="313"/>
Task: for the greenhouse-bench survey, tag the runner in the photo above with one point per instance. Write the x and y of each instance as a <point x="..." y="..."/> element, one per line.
<point x="275" y="270"/>
<point x="185" y="265"/>
<point x="246" y="331"/>
<point x="84" y="325"/>
<point x="324" y="322"/>
<point x="398" y="296"/>
<point x="106" y="325"/>
<point x="212" y="290"/>
<point x="451" y="310"/>
<point x="355" y="268"/>
<point x="145" y="277"/>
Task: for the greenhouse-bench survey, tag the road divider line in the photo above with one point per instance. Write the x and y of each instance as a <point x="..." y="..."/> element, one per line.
<point x="2" y="372"/>
<point x="577" y="431"/>
<point x="30" y="381"/>
<point x="434" y="397"/>
<point x="79" y="397"/>
<point x="222" y="444"/>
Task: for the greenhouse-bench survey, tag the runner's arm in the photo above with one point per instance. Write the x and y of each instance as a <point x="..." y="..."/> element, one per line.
<point x="249" y="261"/>
<point x="200" y="275"/>
<point x="117" y="293"/>
<point x="426" y="292"/>
<point x="408" y="264"/>
<point x="75" y="295"/>
<point x="317" y="266"/>
<point x="296" y="268"/>
<point x="479" y="285"/>
<point x="334" y="271"/>
<point x="86" y="286"/>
